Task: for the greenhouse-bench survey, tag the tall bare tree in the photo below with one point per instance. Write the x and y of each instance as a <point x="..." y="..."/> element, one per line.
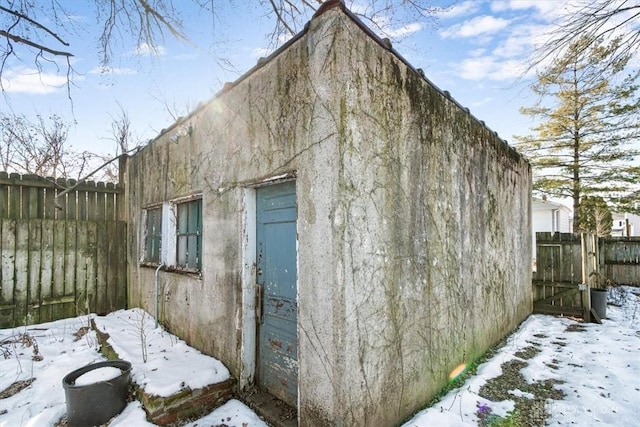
<point x="38" y="147"/>
<point x="125" y="143"/>
<point x="595" y="216"/>
<point x="39" y="32"/>
<point x="593" y="20"/>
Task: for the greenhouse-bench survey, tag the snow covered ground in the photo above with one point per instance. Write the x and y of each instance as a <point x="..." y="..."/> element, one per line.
<point x="552" y="369"/>
<point x="597" y="368"/>
<point x="161" y="363"/>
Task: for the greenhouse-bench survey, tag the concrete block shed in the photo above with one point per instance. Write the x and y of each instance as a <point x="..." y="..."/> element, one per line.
<point x="334" y="228"/>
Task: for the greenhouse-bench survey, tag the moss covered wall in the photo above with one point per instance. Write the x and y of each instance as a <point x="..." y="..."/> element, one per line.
<point x="413" y="223"/>
<point x="431" y="232"/>
<point x="275" y="121"/>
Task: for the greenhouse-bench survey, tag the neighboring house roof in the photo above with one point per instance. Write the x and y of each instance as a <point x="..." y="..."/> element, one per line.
<point x="547" y="216"/>
<point x="539" y="204"/>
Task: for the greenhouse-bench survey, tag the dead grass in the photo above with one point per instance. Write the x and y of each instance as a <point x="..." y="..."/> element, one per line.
<point x="15" y="388"/>
<point x="530" y="398"/>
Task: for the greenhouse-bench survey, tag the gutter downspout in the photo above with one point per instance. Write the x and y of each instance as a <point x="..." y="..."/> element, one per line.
<point x="156" y="293"/>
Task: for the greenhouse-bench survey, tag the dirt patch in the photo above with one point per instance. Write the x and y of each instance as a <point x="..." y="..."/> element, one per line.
<point x="77" y="336"/>
<point x="530" y="410"/>
<point x="553" y="364"/>
<point x="8" y="346"/>
<point x="576" y="327"/>
<point x="15" y="388"/>
<point x="527" y="352"/>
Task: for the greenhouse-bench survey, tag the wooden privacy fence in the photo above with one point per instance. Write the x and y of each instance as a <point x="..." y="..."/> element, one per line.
<point x="558" y="275"/>
<point x="620" y="260"/>
<point x="560" y="264"/>
<point x="62" y="249"/>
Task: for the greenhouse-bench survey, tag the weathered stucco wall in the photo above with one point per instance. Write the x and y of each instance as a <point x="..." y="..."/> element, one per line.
<point x="278" y="119"/>
<point x="431" y="229"/>
<point x="413" y="224"/>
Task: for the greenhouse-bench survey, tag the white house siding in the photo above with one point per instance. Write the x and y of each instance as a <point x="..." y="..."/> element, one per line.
<point x="625" y="224"/>
<point x="548" y="216"/>
<point x="414" y="224"/>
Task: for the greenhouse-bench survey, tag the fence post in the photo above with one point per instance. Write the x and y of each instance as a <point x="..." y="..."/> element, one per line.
<point x="598" y="277"/>
<point x="586" y="294"/>
<point x="123" y="163"/>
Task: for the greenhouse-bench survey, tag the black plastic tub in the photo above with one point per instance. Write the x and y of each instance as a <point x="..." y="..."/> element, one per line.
<point x="599" y="302"/>
<point x="96" y="403"/>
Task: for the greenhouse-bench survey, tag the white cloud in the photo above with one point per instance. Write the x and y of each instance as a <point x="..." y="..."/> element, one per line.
<point x="406" y="30"/>
<point x="478" y="26"/>
<point x="482" y="101"/>
<point x="478" y="52"/>
<point x="31" y="81"/>
<point x="113" y="70"/>
<point x="382" y="23"/>
<point x="489" y="68"/>
<point x="145" y="49"/>
<point x="521" y="41"/>
<point x="459" y="9"/>
<point x="261" y="52"/>
<point x="545" y="8"/>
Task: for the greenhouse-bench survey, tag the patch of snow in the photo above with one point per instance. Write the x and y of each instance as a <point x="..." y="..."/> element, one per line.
<point x="170" y="366"/>
<point x="105" y="373"/>
<point x="232" y="414"/>
<point x="520" y="393"/>
<point x="598" y="363"/>
<point x="132" y="415"/>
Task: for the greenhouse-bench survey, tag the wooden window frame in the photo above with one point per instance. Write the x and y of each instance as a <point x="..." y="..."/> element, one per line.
<point x="153" y="237"/>
<point x="188" y="235"/>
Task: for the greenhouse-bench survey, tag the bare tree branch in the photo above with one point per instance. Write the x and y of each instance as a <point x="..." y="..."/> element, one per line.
<point x="37" y="147"/>
<point x="38" y="46"/>
<point x="595" y="20"/>
<point x="34" y="23"/>
<point x="22" y="23"/>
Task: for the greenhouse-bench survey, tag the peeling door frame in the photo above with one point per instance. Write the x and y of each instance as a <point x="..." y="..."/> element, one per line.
<point x="249" y="338"/>
<point x="248" y="320"/>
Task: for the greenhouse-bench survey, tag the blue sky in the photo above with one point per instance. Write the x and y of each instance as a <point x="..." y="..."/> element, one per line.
<point x="477" y="50"/>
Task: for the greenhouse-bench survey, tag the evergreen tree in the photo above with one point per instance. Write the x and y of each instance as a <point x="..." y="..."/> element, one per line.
<point x="595" y="216"/>
<point x="588" y="125"/>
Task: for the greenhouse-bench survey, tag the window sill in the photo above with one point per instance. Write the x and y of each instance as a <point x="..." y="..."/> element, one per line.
<point x="172" y="269"/>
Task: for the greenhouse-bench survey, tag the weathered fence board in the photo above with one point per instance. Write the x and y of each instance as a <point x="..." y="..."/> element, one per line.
<point x="22" y="268"/>
<point x="46" y="272"/>
<point x="558" y="298"/>
<point x="48" y="269"/>
<point x="559" y="273"/>
<point x="559" y="254"/>
<point x="34" y="274"/>
<point x="7" y="272"/>
<point x="559" y="264"/>
<point x="92" y="264"/>
<point x="30" y="196"/>
<point x="558" y="258"/>
<point x="62" y="249"/>
<point x="620" y="257"/>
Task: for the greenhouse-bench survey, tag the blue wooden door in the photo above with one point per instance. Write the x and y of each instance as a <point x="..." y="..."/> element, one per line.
<point x="277" y="369"/>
